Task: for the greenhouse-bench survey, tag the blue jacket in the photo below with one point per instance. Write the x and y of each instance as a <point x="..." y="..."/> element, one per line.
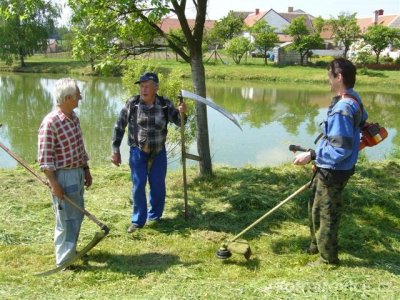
<point x="338" y="147"/>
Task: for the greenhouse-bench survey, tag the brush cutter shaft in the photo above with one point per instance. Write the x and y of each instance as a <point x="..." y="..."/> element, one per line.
<point x="304" y="187"/>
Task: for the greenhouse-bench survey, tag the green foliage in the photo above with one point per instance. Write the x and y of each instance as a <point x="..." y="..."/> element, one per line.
<point x="25" y="27"/>
<point x="264" y="37"/>
<point x="237" y="48"/>
<point x="226" y="29"/>
<point x="380" y="37"/>
<point x="100" y="37"/>
<point x="345" y="30"/>
<point x="303" y="39"/>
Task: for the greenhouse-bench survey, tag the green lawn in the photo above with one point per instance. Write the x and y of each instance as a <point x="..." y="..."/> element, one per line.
<point x="175" y="259"/>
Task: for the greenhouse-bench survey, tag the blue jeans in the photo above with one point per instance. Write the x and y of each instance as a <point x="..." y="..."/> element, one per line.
<point x="68" y="218"/>
<point x="138" y="162"/>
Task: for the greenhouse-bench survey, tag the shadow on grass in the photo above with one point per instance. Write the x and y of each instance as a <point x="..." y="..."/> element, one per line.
<point x="139" y="265"/>
<point x="371" y="210"/>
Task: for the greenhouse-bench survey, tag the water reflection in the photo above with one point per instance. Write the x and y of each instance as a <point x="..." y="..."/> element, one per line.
<point x="272" y="117"/>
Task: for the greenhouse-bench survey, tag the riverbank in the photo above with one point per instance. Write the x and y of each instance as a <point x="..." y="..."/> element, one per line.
<point x="251" y="69"/>
<point x="175" y="259"/>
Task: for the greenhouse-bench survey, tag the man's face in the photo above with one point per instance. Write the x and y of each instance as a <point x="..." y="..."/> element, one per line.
<point x="148" y="91"/>
<point x="334" y="80"/>
<point x="73" y="100"/>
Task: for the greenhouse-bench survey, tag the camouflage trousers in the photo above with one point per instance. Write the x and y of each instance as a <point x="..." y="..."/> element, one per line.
<point x="324" y="209"/>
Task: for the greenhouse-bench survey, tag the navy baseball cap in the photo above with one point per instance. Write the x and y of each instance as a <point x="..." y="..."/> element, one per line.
<point x="148" y="76"/>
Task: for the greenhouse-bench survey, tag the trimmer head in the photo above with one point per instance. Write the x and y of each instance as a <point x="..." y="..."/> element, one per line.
<point x="223" y="252"/>
<point x="239" y="247"/>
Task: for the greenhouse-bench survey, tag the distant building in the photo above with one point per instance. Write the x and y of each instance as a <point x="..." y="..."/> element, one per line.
<point x="168" y="24"/>
<point x="279" y="21"/>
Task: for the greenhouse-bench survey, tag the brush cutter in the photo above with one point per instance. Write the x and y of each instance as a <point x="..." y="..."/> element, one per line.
<point x="242" y="246"/>
<point x="96" y="239"/>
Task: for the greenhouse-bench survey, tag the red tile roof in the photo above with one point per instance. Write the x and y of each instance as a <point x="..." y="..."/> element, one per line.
<point x="169" y="24"/>
<point x="364" y="23"/>
<point x="253" y="18"/>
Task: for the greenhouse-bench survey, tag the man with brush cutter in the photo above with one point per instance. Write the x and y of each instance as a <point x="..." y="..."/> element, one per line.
<point x="63" y="159"/>
<point x="335" y="157"/>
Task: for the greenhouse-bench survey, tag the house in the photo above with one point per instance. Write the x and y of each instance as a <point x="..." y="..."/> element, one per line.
<point x="392" y="21"/>
<point x="279" y="21"/>
<point x="379" y="19"/>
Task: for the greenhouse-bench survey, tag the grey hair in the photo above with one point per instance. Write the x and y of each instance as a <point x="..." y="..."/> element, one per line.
<point x="65" y="87"/>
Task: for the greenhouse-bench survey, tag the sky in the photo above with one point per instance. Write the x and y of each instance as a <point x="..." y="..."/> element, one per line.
<point x="324" y="8"/>
<point x="217" y="9"/>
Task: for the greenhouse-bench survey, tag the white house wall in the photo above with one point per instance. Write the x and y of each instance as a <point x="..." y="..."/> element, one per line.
<point x="275" y="20"/>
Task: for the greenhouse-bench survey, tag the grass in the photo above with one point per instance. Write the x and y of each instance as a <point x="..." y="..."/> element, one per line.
<point x="250" y="69"/>
<point x="175" y="259"/>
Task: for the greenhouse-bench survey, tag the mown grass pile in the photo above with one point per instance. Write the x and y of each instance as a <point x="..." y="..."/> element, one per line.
<point x="175" y="259"/>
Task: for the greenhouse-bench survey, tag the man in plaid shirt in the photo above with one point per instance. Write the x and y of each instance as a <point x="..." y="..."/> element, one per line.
<point x="63" y="159"/>
<point x="146" y="116"/>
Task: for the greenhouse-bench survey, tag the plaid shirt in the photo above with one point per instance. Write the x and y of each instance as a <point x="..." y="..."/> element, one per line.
<point x="60" y="144"/>
<point x="147" y="127"/>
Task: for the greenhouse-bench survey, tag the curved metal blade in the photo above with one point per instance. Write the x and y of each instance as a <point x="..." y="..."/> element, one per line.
<point x="210" y="103"/>
<point x="96" y="239"/>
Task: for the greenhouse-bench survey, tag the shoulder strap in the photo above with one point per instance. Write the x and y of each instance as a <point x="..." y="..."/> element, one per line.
<point x="360" y="109"/>
<point x="164" y="105"/>
<point x="132" y="104"/>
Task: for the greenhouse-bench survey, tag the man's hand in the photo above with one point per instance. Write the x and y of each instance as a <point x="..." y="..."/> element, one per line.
<point x="55" y="187"/>
<point x="88" y="177"/>
<point x="182" y="107"/>
<point x="302" y="158"/>
<point x="116" y="158"/>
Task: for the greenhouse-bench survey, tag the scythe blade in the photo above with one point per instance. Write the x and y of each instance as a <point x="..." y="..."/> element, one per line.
<point x="96" y="239"/>
<point x="210" y="103"/>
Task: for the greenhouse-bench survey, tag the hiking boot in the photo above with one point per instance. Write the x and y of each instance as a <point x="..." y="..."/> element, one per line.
<point x="132" y="228"/>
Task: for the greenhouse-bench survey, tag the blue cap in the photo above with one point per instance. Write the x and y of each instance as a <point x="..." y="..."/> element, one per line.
<point x="148" y="76"/>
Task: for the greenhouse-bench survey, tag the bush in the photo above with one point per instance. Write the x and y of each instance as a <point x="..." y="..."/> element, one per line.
<point x="387" y="59"/>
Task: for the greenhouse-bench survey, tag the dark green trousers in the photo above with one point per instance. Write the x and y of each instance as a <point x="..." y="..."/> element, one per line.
<point x="324" y="210"/>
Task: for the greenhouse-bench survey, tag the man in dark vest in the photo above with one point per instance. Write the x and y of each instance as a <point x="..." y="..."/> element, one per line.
<point x="147" y="116"/>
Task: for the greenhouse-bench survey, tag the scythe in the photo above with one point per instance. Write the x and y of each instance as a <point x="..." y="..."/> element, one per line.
<point x="98" y="235"/>
<point x="185" y="155"/>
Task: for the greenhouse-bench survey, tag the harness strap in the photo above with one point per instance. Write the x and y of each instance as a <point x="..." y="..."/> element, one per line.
<point x="133" y="104"/>
<point x="356" y="122"/>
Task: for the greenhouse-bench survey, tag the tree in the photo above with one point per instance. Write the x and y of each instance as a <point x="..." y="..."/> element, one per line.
<point x="237" y="48"/>
<point x="380" y="37"/>
<point x="226" y="29"/>
<point x="345" y="30"/>
<point x="360" y="52"/>
<point x="25" y="26"/>
<point x="121" y="16"/>
<point x="264" y="37"/>
<point x="303" y="40"/>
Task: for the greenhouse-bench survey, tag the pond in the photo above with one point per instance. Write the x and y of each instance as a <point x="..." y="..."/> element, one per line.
<point x="272" y="117"/>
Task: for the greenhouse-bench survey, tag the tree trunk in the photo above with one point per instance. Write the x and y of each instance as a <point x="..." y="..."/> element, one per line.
<point x="22" y="61"/>
<point x="203" y="146"/>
